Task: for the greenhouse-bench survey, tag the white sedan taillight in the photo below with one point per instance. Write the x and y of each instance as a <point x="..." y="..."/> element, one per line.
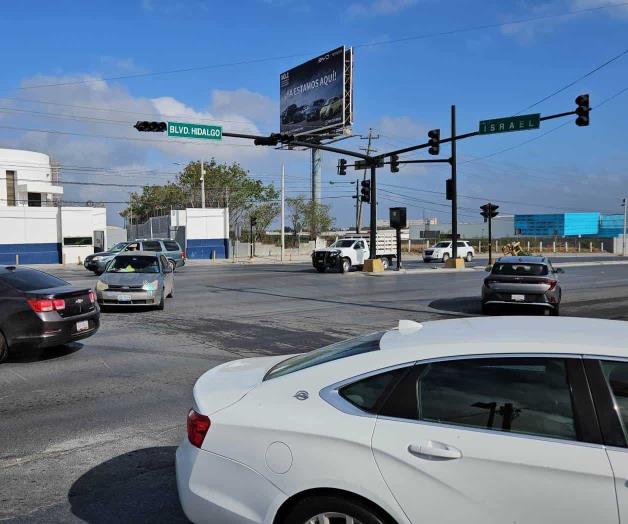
<point x="198" y="425"/>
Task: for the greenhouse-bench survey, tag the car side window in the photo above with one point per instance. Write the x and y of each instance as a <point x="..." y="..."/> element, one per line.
<point x="151" y="245"/>
<point x="616" y="375"/>
<point x="369" y="393"/>
<point x="516" y="395"/>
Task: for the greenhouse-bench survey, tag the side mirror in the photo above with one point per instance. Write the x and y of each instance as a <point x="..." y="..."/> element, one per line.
<point x="559" y="270"/>
<point x="488" y="268"/>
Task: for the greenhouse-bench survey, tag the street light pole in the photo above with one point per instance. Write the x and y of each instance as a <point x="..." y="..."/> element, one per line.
<point x="202" y="184"/>
<point x="623" y="249"/>
<point x="454" y="196"/>
<point x="283" y="210"/>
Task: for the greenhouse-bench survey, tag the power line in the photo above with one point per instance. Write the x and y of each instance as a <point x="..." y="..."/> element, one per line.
<point x="357" y="46"/>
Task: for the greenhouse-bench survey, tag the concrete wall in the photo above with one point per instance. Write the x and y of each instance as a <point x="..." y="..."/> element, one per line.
<point x="114" y="235"/>
<point x="207" y="231"/>
<point x="30" y="233"/>
<point x="78" y="222"/>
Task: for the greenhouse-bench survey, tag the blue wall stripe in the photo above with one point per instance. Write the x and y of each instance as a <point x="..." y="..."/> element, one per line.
<point x="202" y="248"/>
<point x="41" y="253"/>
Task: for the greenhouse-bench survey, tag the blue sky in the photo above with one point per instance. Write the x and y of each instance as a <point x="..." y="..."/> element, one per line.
<point x="402" y="89"/>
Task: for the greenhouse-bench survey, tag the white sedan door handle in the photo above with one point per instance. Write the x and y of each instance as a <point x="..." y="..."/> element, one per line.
<point x="433" y="448"/>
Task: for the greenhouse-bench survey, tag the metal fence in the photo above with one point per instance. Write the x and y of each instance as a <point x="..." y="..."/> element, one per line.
<point x="154" y="227"/>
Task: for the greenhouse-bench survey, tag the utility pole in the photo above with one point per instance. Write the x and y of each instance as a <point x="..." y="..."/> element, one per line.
<point x="358" y="207"/>
<point x="454" y="196"/>
<point x="369" y="150"/>
<point x="283" y="210"/>
<point x="623" y="248"/>
<point x="316" y="176"/>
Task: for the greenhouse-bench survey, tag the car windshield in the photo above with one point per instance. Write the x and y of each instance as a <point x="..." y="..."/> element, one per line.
<point x="118" y="247"/>
<point x="527" y="270"/>
<point x="346" y="348"/>
<point x="442" y="244"/>
<point x="343" y="243"/>
<point x="141" y="264"/>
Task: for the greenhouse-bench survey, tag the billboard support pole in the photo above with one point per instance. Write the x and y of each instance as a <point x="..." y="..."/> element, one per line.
<point x="316" y="176"/>
<point x="373" y="235"/>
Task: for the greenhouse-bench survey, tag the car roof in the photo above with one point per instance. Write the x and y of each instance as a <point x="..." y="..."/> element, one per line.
<point x="512" y="334"/>
<point x="139" y="254"/>
<point x="523" y="259"/>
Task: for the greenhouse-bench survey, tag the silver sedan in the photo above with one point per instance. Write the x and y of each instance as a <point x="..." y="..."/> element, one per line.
<point x="139" y="278"/>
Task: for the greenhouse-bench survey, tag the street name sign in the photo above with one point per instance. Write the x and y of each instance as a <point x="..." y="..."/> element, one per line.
<point x="185" y="130"/>
<point x="511" y="123"/>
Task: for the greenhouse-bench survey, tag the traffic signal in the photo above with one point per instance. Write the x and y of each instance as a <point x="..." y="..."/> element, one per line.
<point x="582" y="110"/>
<point x="394" y="163"/>
<point x="365" y="192"/>
<point x="449" y="189"/>
<point x="489" y="211"/>
<point x="342" y="167"/>
<point x="150" y="127"/>
<point x="434" y="142"/>
<point x="253" y="221"/>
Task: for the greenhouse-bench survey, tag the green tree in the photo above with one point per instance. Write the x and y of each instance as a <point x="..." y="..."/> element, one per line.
<point x="309" y="216"/>
<point x="226" y="185"/>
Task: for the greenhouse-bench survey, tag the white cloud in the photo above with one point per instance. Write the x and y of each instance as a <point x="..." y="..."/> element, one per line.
<point x="379" y="7"/>
<point x="92" y="126"/>
<point x="121" y="65"/>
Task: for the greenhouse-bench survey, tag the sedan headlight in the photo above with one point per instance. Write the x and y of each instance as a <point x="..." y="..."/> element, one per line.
<point x="151" y="286"/>
<point x="96" y="259"/>
<point x="102" y="286"/>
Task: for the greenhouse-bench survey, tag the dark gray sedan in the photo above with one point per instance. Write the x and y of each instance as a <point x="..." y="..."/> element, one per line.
<point x="526" y="281"/>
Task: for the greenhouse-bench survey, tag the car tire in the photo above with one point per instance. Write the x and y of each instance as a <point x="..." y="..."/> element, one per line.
<point x="446" y="257"/>
<point x="555" y="311"/>
<point x="321" y="269"/>
<point x="162" y="303"/>
<point x="4" y="348"/>
<point x="345" y="265"/>
<point x="385" y="263"/>
<point x="307" y="509"/>
<point x="469" y="257"/>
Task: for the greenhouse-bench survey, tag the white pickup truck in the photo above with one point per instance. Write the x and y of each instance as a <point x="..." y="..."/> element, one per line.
<point x="352" y="251"/>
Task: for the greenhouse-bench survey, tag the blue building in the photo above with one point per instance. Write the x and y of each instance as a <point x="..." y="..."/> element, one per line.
<point x="562" y="224"/>
<point x="611" y="226"/>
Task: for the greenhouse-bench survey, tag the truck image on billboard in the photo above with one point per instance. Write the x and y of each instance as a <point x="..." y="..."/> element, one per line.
<point x="313" y="95"/>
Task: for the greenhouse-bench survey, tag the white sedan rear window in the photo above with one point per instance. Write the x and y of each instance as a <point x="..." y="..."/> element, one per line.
<point x="346" y="348"/>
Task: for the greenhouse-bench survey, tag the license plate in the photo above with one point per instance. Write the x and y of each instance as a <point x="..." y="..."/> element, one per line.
<point x="518" y="298"/>
<point x="124" y="298"/>
<point x="83" y="325"/>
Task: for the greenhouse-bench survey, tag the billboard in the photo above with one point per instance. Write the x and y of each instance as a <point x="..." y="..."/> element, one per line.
<point x="316" y="96"/>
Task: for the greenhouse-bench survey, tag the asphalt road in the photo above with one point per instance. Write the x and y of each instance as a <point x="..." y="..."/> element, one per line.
<point x="88" y="432"/>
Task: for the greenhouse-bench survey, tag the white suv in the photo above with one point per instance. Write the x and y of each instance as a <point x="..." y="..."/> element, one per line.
<point x="442" y="251"/>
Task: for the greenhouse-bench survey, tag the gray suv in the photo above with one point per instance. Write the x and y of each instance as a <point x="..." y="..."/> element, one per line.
<point x="526" y="281"/>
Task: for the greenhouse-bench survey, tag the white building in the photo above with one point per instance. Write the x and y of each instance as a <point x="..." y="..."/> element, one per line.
<point x="34" y="228"/>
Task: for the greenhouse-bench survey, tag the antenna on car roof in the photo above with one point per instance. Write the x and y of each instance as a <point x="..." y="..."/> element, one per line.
<point x="409" y="326"/>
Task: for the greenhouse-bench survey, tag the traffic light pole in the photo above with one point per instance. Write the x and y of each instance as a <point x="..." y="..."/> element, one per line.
<point x="373" y="230"/>
<point x="454" y="196"/>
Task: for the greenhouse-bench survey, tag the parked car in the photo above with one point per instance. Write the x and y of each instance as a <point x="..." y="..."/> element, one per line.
<point x="98" y="261"/>
<point x="472" y="420"/>
<point x="525" y="281"/>
<point x="314" y="110"/>
<point x="136" y="279"/>
<point x="40" y="310"/>
<point x="443" y="251"/>
<point x="332" y="107"/>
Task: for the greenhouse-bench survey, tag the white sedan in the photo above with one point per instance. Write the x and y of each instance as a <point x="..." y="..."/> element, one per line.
<point x="484" y="420"/>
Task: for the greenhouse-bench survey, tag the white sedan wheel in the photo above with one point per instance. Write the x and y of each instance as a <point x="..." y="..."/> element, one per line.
<point x="333" y="518"/>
